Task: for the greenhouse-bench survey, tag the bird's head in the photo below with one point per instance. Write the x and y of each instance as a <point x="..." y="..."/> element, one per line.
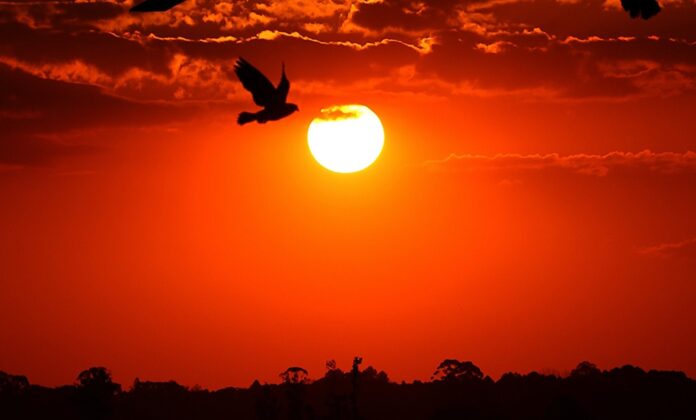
<point x="293" y="107"/>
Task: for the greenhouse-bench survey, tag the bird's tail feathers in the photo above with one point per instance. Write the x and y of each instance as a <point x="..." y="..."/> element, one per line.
<point x="245" y="117"/>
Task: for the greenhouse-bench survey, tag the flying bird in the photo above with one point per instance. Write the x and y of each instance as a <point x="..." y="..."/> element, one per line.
<point x="272" y="99"/>
<point x="155" y="5"/>
<point x="643" y="8"/>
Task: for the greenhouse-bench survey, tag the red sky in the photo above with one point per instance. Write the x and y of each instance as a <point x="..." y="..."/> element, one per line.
<point x="533" y="206"/>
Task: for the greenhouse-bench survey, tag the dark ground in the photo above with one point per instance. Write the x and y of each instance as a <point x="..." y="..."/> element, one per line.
<point x="458" y="390"/>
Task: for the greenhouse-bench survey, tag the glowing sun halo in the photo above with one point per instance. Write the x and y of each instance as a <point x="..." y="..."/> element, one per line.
<point x="346" y="138"/>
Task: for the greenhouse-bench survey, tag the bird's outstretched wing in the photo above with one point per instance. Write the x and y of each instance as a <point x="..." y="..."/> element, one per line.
<point x="283" y="87"/>
<point x="254" y="81"/>
<point x="155" y="5"/>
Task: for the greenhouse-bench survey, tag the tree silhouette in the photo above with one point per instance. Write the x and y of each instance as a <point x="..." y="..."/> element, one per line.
<point x="295" y="379"/>
<point x="295" y="375"/>
<point x="355" y="381"/>
<point x="96" y="392"/>
<point x="454" y="370"/>
<point x="585" y="369"/>
<point x="98" y="380"/>
<point x="12" y="385"/>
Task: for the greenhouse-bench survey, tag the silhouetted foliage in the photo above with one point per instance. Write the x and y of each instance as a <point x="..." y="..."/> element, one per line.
<point x="97" y="380"/>
<point x="643" y="8"/>
<point x="355" y="375"/>
<point x="454" y="370"/>
<point x="460" y="390"/>
<point x="295" y="375"/>
<point x="12" y="385"/>
<point x="585" y="369"/>
<point x="96" y="392"/>
<point x="294" y="378"/>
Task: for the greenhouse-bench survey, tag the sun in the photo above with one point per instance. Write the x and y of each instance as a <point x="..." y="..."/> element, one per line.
<point x="346" y="138"/>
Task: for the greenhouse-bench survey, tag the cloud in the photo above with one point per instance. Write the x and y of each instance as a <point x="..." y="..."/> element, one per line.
<point x="65" y="14"/>
<point x="405" y="16"/>
<point x="665" y="163"/>
<point x="495" y="47"/>
<point x="37" y="113"/>
<point x="577" y="68"/>
<point x="76" y="64"/>
<point x="553" y="50"/>
<point x="681" y="249"/>
<point x="338" y="112"/>
<point x="19" y="151"/>
<point x="585" y="18"/>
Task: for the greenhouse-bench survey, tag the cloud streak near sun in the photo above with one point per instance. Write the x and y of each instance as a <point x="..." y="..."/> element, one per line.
<point x="664" y="163"/>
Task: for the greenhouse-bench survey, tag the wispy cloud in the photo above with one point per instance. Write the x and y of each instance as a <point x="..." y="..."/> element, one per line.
<point x="582" y="164"/>
<point x="685" y="248"/>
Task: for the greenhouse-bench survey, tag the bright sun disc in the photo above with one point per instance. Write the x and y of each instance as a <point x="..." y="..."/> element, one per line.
<point x="346" y="138"/>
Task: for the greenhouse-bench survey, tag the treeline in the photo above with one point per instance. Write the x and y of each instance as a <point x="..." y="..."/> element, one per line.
<point x="457" y="390"/>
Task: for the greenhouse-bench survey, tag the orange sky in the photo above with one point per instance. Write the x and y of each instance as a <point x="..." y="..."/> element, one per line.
<point x="532" y="207"/>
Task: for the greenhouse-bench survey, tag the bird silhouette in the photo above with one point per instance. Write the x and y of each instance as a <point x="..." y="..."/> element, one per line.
<point x="155" y="5"/>
<point x="272" y="99"/>
<point x="643" y="8"/>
